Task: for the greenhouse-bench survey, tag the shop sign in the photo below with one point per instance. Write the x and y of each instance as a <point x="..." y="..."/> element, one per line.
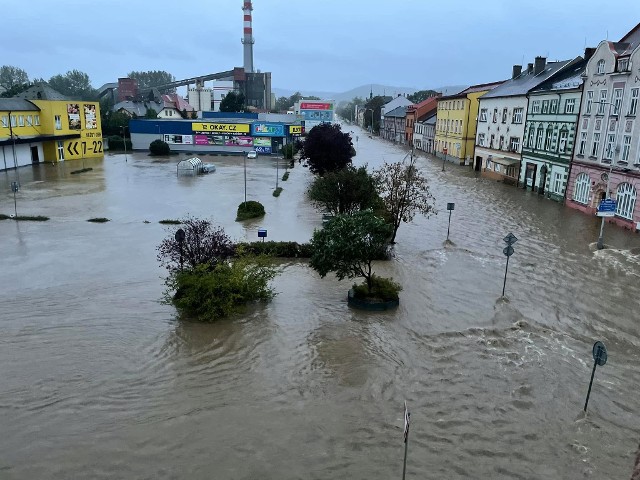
<point x="268" y="130"/>
<point x="228" y="128"/>
<point x="296" y="129"/>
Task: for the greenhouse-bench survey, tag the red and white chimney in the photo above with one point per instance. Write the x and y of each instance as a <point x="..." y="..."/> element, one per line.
<point x="248" y="40"/>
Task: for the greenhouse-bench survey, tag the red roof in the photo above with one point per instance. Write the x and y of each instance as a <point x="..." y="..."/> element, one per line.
<point x="424" y="107"/>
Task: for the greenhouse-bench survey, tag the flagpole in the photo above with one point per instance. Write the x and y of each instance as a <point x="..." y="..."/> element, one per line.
<point x="407" y="416"/>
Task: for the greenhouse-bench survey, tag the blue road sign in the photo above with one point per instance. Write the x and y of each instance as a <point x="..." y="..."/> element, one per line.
<point x="607" y="208"/>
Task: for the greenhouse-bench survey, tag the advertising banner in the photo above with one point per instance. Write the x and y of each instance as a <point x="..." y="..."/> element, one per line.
<point x="318" y="115"/>
<point x="179" y="139"/>
<point x="90" y="121"/>
<point x="296" y="129"/>
<point x="266" y="150"/>
<point x="238" y="142"/>
<point x="73" y="112"/>
<point x="262" y="142"/>
<point x="267" y="130"/>
<point x="226" y="128"/>
<point x="316" y="106"/>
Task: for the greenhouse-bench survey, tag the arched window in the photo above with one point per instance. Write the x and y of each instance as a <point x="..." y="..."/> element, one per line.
<point x="582" y="188"/>
<point x="626" y="200"/>
<point x="600" y="66"/>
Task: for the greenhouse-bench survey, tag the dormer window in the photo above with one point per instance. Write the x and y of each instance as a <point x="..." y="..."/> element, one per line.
<point x="623" y="64"/>
<point x="600" y="67"/>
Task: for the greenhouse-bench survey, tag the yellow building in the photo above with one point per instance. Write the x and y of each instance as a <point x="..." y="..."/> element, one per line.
<point x="456" y="123"/>
<point x="42" y="129"/>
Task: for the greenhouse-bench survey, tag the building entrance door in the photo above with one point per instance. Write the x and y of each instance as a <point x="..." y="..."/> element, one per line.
<point x="34" y="155"/>
<point x="530" y="176"/>
<point x="478" y="164"/>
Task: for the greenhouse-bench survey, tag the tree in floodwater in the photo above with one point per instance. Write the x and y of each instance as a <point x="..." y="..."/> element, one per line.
<point x="404" y="191"/>
<point x="327" y="148"/>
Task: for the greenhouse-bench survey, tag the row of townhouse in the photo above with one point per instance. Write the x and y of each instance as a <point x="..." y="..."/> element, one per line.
<point x="565" y="129"/>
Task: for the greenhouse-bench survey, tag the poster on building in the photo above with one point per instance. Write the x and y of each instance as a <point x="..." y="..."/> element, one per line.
<point x="267" y="130"/>
<point x="238" y="142"/>
<point x="179" y="139"/>
<point x="262" y="145"/>
<point x="90" y="121"/>
<point x="73" y="112"/>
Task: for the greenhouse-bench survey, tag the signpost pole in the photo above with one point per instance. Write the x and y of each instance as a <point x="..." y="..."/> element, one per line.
<point x="599" y="358"/>
<point x="407" y="417"/>
<point x="450" y="207"/>
<point x="510" y="239"/>
<point x="504" y="284"/>
<point x="15" y="186"/>
<point x="593" y="372"/>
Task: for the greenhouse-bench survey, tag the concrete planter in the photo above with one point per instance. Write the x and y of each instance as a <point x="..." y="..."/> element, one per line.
<point x="370" y="304"/>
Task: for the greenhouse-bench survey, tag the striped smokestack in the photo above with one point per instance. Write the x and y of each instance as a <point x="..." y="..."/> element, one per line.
<point x="248" y="40"/>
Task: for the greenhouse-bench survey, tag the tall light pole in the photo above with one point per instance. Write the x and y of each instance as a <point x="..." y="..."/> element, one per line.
<point x="124" y="141"/>
<point x="600" y="244"/>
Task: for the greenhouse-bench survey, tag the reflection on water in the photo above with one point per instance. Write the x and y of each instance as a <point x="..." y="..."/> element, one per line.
<point x="101" y="380"/>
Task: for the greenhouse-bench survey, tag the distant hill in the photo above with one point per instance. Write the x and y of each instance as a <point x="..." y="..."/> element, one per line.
<point x="364" y="90"/>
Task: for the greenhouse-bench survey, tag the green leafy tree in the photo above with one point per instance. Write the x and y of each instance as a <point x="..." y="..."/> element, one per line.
<point x="345" y="191"/>
<point x="158" y="147"/>
<point x="372" y="114"/>
<point x="327" y="149"/>
<point x="404" y="191"/>
<point x="74" y="84"/>
<point x="150" y="113"/>
<point x="348" y="246"/>
<point x="11" y="77"/>
<point x="232" y="102"/>
<point x="421" y="95"/>
<point x="347" y="110"/>
<point x="153" y="78"/>
<point x="15" y="90"/>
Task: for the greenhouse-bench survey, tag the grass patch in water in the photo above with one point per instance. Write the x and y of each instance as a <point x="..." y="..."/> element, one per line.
<point x="170" y="222"/>
<point x="88" y="169"/>
<point x="30" y="218"/>
<point x="277" y="191"/>
<point x="98" y="220"/>
<point x="285" y="177"/>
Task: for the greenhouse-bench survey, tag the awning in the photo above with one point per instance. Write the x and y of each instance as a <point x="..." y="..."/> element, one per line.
<point x="505" y="161"/>
<point x="37" y="138"/>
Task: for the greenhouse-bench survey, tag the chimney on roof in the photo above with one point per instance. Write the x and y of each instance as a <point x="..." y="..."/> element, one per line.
<point x="530" y="68"/>
<point x="588" y="52"/>
<point x="541" y="63"/>
<point x="517" y="70"/>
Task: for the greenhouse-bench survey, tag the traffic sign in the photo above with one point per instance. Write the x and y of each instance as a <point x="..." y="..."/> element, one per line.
<point x="607" y="208"/>
<point x="508" y="250"/>
<point x="599" y="353"/>
<point x="15" y="186"/>
<point x="510" y="239"/>
<point x="450" y="206"/>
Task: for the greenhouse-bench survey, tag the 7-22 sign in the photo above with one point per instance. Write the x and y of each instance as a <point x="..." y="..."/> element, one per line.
<point x="94" y="146"/>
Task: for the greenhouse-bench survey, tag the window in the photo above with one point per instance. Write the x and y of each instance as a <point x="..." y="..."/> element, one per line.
<point x="557" y="182"/>
<point x="60" y="150"/>
<point x="545" y="106"/>
<point x="547" y="140"/>
<point x="504" y="115"/>
<point x="535" y="106"/>
<point x="514" y="144"/>
<point x="13" y="121"/>
<point x="21" y="120"/>
<point x="595" y="145"/>
<point x="611" y="140"/>
<point x="623" y="64"/>
<point x="501" y="143"/>
<point x="589" y="102"/>
<point x="36" y="120"/>
<point x="603" y="100"/>
<point x="625" y="200"/>
<point x="5" y="121"/>
<point x="633" y="105"/>
<point x="569" y="105"/>
<point x="617" y="100"/>
<point x="582" y="188"/>
<point x="29" y="120"/>
<point x="495" y="115"/>
<point x="58" y="122"/>
<point x="539" y="138"/>
<point x="517" y="115"/>
<point x="562" y="143"/>
<point x="583" y="143"/>
<point x="554" y="106"/>
<point x="600" y="67"/>
<point x="481" y="139"/>
<point x="626" y="146"/>
<point x="483" y="115"/>
<point x="493" y="137"/>
<point x="532" y="134"/>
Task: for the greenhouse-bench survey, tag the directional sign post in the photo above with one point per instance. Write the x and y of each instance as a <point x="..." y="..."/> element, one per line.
<point x="510" y="239"/>
<point x="450" y="207"/>
<point x="607" y="208"/>
<point x="15" y="186"/>
<point x="262" y="233"/>
<point x="599" y="358"/>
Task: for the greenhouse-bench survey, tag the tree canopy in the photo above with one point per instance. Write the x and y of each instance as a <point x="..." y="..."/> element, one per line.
<point x="404" y="191"/>
<point x="346" y="110"/>
<point x="374" y="105"/>
<point x="327" y="149"/>
<point x="347" y="191"/>
<point x="232" y="102"/>
<point x="152" y="78"/>
<point x="11" y="77"/>
<point x="74" y="84"/>
<point x="349" y="244"/>
<point x="421" y="95"/>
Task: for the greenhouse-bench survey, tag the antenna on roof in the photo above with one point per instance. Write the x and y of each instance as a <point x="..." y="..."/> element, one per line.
<point x="607" y="35"/>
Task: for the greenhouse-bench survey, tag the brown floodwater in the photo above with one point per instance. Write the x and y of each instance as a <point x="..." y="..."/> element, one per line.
<point x="100" y="380"/>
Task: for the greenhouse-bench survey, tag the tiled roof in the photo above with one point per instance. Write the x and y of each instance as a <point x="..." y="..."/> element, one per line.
<point x="41" y="91"/>
<point x="16" y="105"/>
<point x="525" y="81"/>
<point x="397" y="112"/>
<point x="569" y="78"/>
<point x="430" y="120"/>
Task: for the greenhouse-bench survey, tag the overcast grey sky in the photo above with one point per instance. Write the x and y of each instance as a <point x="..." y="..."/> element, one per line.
<point x="329" y="45"/>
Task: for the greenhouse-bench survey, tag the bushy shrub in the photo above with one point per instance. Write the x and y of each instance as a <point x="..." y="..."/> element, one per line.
<point x="249" y="209"/>
<point x="116" y="142"/>
<point x="277" y="192"/>
<point x="381" y="288"/>
<point x="275" y="249"/>
<point x="285" y="177"/>
<point x="98" y="220"/>
<point x="158" y="147"/>
<point x="207" y="294"/>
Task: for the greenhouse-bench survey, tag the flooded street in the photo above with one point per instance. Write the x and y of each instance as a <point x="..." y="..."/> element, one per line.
<point x="99" y="379"/>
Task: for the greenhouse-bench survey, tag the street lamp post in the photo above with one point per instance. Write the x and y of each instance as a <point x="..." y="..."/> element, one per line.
<point x="600" y="244"/>
<point x="124" y="140"/>
<point x="370" y="126"/>
<point x="245" y="179"/>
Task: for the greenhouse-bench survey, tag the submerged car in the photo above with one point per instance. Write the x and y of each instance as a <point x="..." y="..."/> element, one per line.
<point x="208" y="168"/>
<point x="252" y="154"/>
